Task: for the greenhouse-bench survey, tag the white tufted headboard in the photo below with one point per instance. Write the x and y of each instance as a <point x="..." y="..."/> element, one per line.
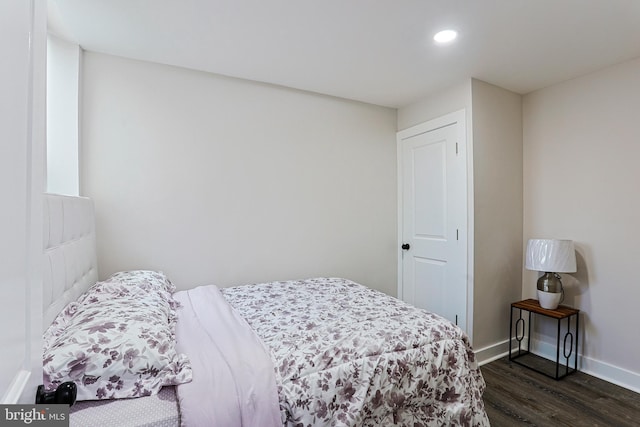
<point x="70" y="263"/>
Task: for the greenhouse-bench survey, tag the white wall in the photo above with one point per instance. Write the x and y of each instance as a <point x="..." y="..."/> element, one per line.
<point x="438" y="104"/>
<point x="22" y="113"/>
<point x="225" y="181"/>
<point x="497" y="212"/>
<point x="63" y="69"/>
<point x="581" y="180"/>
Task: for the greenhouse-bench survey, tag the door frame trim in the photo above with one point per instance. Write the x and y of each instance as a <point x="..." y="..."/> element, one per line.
<point x="459" y="118"/>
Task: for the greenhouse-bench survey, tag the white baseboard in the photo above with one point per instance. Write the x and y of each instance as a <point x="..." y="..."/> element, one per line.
<point x="492" y="352"/>
<point x="497" y="351"/>
<point x="16" y="388"/>
<point x="604" y="371"/>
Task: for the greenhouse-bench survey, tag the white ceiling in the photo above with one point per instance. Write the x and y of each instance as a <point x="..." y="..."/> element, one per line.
<point x="375" y="51"/>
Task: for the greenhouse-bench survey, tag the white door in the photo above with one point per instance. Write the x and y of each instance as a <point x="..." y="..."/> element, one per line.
<point x="23" y="30"/>
<point x="433" y="217"/>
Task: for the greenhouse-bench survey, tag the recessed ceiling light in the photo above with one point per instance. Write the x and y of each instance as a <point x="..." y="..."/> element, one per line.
<point x="445" y="36"/>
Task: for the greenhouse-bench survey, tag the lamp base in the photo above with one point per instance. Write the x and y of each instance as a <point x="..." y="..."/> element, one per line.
<point x="549" y="300"/>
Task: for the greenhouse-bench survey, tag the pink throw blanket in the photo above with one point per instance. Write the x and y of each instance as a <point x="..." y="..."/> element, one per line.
<point x="233" y="376"/>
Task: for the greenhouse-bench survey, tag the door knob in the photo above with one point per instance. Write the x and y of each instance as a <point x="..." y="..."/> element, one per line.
<point x="406" y="246"/>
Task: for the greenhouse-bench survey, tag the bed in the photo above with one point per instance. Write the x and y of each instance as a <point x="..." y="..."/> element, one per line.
<point x="314" y="352"/>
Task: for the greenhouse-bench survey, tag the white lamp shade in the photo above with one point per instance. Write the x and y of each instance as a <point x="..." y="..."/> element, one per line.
<point x="551" y="255"/>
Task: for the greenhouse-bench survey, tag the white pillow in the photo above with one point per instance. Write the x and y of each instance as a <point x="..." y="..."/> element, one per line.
<point x="118" y="340"/>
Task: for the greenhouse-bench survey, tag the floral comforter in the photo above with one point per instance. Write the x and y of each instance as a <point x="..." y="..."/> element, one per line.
<point x="346" y="355"/>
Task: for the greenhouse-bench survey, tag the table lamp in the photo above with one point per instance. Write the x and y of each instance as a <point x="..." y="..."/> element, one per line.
<point x="550" y="256"/>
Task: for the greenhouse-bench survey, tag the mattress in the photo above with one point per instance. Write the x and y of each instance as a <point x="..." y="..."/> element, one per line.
<point x="158" y="410"/>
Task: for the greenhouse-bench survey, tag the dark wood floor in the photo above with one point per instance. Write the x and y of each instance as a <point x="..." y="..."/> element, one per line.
<point x="517" y="396"/>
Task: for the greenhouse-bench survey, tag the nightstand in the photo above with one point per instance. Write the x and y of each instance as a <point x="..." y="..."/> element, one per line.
<point x="524" y="357"/>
